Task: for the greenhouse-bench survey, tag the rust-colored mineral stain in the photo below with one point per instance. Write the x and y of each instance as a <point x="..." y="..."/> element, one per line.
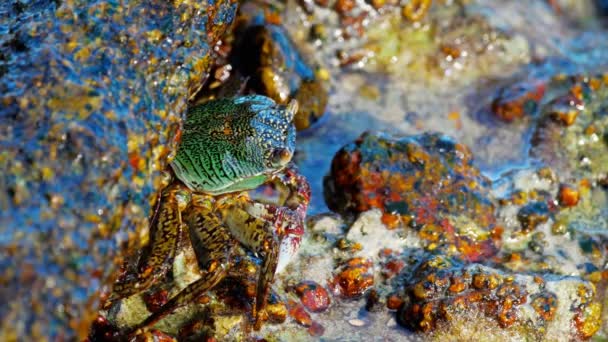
<point x="354" y="278"/>
<point x="313" y="296"/>
<point x="299" y="314"/>
<point x="568" y="195"/>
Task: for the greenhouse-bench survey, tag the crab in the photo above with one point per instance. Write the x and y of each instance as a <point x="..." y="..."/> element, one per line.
<point x="228" y="147"/>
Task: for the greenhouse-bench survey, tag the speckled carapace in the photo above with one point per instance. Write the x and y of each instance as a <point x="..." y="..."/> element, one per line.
<point x="234" y="144"/>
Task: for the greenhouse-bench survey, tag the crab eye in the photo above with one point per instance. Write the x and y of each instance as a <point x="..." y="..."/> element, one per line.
<point x="280" y="157"/>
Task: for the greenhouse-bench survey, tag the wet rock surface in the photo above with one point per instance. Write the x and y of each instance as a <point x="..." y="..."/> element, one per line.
<point x="275" y="67"/>
<point x="572" y="133"/>
<point x="91" y="97"/>
<point x="427" y="182"/>
<point x="494" y="226"/>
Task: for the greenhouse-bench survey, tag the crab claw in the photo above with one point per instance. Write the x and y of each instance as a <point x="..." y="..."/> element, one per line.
<point x="290" y="218"/>
<point x="290" y="226"/>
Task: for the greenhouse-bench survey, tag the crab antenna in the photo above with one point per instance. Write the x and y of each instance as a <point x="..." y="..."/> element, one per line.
<point x="292" y="109"/>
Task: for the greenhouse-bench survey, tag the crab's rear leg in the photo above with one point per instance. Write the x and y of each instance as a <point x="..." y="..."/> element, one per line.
<point x="213" y="246"/>
<point x="157" y="256"/>
<point x="260" y="237"/>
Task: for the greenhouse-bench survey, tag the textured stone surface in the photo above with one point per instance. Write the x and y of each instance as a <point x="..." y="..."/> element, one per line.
<point x="91" y="96"/>
<point x="427" y="182"/>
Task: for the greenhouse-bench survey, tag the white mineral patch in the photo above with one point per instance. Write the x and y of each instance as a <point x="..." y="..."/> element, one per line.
<point x="527" y="180"/>
<point x="185" y="268"/>
<point x="328" y="225"/>
<point x="132" y="311"/>
<point x="566" y="290"/>
<point x="372" y="234"/>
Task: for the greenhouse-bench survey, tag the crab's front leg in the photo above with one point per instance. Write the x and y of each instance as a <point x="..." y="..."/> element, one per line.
<point x="273" y="230"/>
<point x="213" y="246"/>
<point x="298" y="194"/>
<point x="260" y="237"/>
<point x="157" y="256"/>
<point x="289" y="214"/>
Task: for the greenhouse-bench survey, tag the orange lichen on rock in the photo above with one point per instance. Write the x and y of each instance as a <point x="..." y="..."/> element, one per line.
<point x="518" y="100"/>
<point x="568" y="195"/>
<point x="426" y="182"/>
<point x="441" y="288"/>
<point x="313" y="296"/>
<point x="353" y="278"/>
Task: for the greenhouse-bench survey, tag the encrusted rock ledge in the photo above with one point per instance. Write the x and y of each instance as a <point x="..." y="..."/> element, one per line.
<point x="91" y="97"/>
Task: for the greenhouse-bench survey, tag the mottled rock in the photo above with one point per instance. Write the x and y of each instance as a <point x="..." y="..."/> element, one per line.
<point x="571" y="134"/>
<point x="313" y="296"/>
<point x="353" y="278"/>
<point x="518" y="100"/>
<point x="427" y="182"/>
<point x="91" y="96"/>
<point x="316" y="329"/>
<point x="299" y="314"/>
<point x="532" y="214"/>
<point x="541" y="235"/>
<point x="441" y="291"/>
<point x="568" y="195"/>
<point x="277" y="312"/>
<point x="452" y="41"/>
<point x="276" y="66"/>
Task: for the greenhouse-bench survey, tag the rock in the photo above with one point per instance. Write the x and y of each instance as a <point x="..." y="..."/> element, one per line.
<point x="372" y="236"/>
<point x="533" y="214"/>
<point x="441" y="291"/>
<point x="313" y="296"/>
<point x="154" y="336"/>
<point x="542" y="235"/>
<point x="394" y="302"/>
<point x="568" y="195"/>
<point x="91" y="97"/>
<point x="299" y="314"/>
<point x="353" y="278"/>
<point x="277" y="312"/>
<point x="316" y="329"/>
<point x="276" y="66"/>
<point x="427" y="182"/>
<point x="571" y="134"/>
<point x="457" y="44"/>
<point x="156" y="300"/>
<point x="518" y="100"/>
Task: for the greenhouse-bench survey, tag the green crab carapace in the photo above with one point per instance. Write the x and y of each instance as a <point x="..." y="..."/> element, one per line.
<point x="233" y="144"/>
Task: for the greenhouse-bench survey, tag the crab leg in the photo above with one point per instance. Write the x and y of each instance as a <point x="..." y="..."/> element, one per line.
<point x="289" y="216"/>
<point x="157" y="255"/>
<point x="275" y="231"/>
<point x="259" y="236"/>
<point x="299" y="190"/>
<point x="212" y="245"/>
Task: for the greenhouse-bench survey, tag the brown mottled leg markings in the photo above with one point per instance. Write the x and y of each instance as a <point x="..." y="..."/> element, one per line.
<point x="213" y="246"/>
<point x="259" y="236"/>
<point x="157" y="257"/>
<point x="270" y="250"/>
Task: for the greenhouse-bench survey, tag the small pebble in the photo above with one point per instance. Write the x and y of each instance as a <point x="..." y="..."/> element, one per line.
<point x="156" y="300"/>
<point x="316" y="329"/>
<point x="568" y="195"/>
<point x="355" y="322"/>
<point x="354" y="279"/>
<point x="394" y="302"/>
<point x="313" y="296"/>
<point x="277" y="313"/>
<point x="299" y="314"/>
